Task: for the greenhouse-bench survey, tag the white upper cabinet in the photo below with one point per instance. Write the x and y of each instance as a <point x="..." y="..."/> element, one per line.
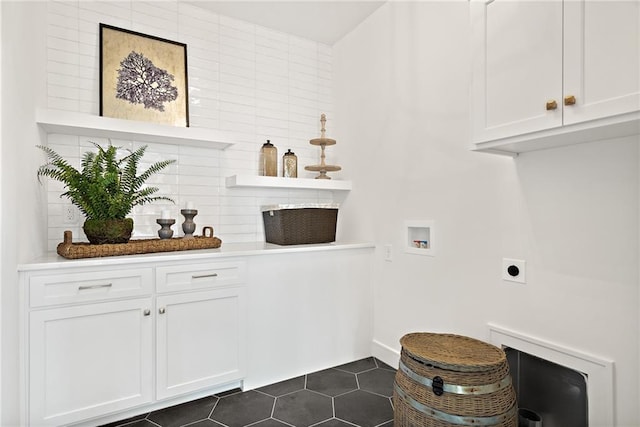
<point x="552" y="73"/>
<point x="601" y="59"/>
<point x="517" y="67"/>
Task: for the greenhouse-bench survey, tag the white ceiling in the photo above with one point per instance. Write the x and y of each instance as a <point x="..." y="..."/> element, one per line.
<point x="325" y="21"/>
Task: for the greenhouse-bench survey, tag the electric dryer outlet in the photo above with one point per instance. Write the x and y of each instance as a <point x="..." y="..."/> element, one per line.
<point x="513" y="270"/>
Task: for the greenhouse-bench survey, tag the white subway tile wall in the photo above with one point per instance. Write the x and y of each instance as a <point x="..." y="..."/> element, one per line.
<point x="252" y="82"/>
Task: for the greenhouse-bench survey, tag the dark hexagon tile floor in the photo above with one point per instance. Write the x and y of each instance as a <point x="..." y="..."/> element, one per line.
<point x="241" y="409"/>
<point x="331" y="382"/>
<point x="303" y="408"/>
<point x="354" y="394"/>
<point x="364" y="409"/>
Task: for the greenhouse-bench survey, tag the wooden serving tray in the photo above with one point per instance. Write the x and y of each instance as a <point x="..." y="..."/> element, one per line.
<point x="70" y="250"/>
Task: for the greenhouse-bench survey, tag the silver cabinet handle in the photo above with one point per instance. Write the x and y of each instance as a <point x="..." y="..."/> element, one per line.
<point x="146" y="312"/>
<point x="161" y="310"/>
<point x="202" y="276"/>
<point x="104" y="285"/>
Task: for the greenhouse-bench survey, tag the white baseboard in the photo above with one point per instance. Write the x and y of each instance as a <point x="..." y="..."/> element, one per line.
<point x="385" y="353"/>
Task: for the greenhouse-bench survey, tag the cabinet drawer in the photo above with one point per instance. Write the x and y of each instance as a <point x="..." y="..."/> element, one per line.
<point x="69" y="288"/>
<point x="199" y="276"/>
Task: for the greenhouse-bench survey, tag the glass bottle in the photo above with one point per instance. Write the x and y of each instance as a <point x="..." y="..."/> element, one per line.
<point x="290" y="164"/>
<point x="268" y="159"/>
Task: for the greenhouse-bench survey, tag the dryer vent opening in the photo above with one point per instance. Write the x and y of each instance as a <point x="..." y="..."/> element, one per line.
<point x="549" y="395"/>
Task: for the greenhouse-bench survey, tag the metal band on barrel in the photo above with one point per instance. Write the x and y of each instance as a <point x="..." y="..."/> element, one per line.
<point x="458" y="389"/>
<point x="455" y="419"/>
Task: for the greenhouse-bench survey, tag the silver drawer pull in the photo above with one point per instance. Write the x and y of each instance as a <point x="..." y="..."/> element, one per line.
<point x="202" y="276"/>
<point x="85" y="287"/>
<point x="147" y="312"/>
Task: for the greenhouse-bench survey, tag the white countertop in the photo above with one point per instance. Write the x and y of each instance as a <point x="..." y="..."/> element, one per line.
<point x="53" y="260"/>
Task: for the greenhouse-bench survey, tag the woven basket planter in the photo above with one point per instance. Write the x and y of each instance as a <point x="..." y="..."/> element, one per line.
<point x="449" y="380"/>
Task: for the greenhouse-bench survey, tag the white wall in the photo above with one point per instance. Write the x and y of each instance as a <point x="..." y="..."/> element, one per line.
<point x="401" y="84"/>
<point x="23" y="218"/>
<point x="401" y="111"/>
<point x="1" y="213"/>
<point x="248" y="81"/>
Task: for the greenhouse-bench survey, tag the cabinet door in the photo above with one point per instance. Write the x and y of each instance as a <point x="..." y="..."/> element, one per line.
<point x="89" y="360"/>
<point x="517" y="67"/>
<point x="602" y="58"/>
<point x="200" y="340"/>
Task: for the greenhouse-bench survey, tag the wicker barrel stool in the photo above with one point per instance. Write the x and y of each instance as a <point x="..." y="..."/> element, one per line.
<point x="449" y="380"/>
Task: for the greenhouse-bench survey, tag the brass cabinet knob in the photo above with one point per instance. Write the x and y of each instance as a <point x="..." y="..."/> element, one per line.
<point x="552" y="105"/>
<point x="569" y="100"/>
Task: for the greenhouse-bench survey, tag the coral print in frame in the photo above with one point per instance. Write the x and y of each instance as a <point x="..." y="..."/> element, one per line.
<point x="143" y="77"/>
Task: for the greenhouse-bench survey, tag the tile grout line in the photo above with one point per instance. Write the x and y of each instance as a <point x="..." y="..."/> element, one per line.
<point x="214" y="407"/>
<point x="333" y="407"/>
<point x="273" y="407"/>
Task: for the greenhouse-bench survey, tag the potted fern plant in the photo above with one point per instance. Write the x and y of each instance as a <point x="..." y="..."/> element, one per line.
<point x="105" y="189"/>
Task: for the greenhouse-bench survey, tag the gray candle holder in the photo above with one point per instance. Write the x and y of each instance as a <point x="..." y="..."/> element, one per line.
<point x="165" y="232"/>
<point x="188" y="226"/>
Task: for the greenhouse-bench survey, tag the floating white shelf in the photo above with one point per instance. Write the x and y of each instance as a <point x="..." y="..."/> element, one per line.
<point x="71" y="123"/>
<point x="278" y="182"/>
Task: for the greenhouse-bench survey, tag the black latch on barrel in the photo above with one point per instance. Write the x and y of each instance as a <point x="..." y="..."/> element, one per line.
<point x="437" y="384"/>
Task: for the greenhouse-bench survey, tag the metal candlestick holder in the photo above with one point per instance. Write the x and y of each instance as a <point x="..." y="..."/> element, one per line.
<point x="188" y="226"/>
<point x="165" y="232"/>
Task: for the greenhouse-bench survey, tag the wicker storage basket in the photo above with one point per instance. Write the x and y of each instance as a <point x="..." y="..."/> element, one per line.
<point x="300" y="224"/>
<point x="449" y="380"/>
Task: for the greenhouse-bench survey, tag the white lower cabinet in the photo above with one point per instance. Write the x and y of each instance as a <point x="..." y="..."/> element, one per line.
<point x="199" y="340"/>
<point x="89" y="360"/>
<point x="104" y="340"/>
